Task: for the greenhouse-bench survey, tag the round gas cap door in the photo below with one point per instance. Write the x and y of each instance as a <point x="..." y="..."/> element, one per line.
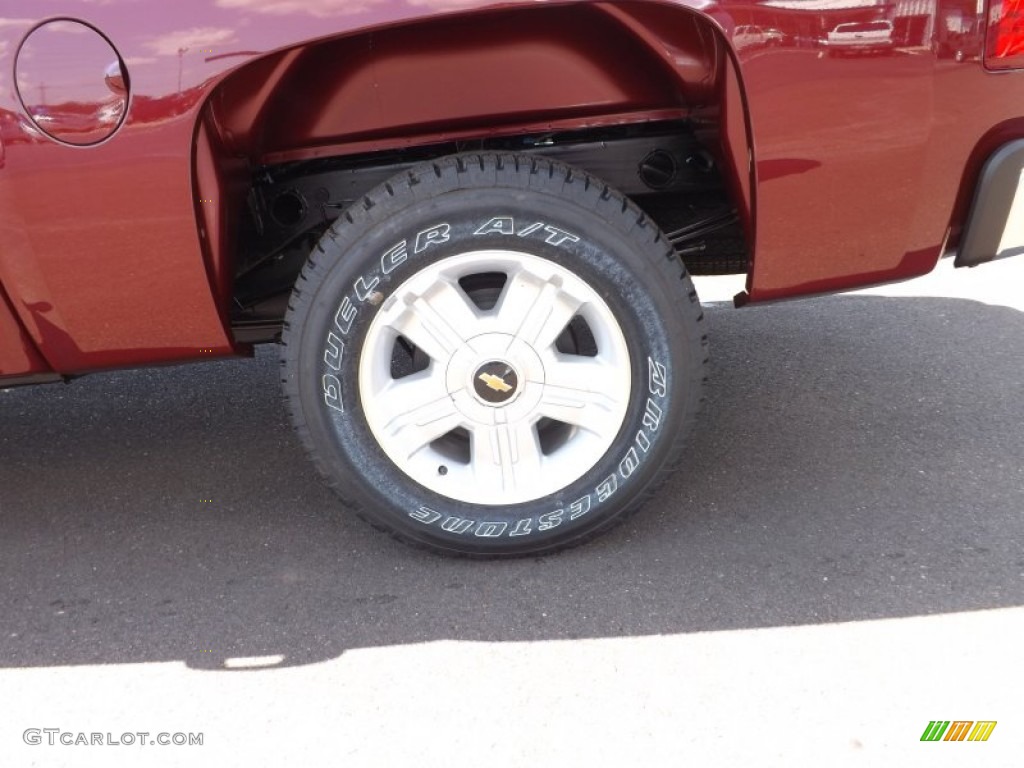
<point x="71" y="81"/>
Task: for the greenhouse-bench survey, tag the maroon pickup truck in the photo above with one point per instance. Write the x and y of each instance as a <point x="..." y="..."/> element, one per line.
<point x="470" y="225"/>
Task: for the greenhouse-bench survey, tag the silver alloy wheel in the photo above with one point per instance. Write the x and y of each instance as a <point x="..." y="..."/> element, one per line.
<point x="499" y="394"/>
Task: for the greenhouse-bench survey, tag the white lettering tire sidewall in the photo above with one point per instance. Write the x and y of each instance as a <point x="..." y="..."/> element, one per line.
<point x="364" y="260"/>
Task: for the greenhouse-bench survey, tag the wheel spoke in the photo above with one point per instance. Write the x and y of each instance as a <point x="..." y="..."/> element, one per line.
<point x="419" y="410"/>
<point x="437" y="321"/>
<point x="506" y="457"/>
<point x="534" y="309"/>
<point x="583" y="393"/>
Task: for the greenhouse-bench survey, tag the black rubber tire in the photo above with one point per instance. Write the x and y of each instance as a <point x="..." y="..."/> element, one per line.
<point x="619" y="251"/>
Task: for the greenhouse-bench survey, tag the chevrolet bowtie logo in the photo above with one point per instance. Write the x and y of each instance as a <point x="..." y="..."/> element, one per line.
<point x="496" y="383"/>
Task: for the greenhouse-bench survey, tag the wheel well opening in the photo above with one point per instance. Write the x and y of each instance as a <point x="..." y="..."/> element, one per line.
<point x="296" y="137"/>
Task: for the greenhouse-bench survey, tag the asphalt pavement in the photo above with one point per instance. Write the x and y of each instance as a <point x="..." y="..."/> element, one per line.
<point x="839" y="562"/>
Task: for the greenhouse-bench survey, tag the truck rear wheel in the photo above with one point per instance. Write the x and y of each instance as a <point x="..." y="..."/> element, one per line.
<point x="494" y="354"/>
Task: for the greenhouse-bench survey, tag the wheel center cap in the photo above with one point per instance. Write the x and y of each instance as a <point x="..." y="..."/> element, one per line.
<point x="496" y="382"/>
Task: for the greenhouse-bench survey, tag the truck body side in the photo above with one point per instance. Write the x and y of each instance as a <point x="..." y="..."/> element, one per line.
<point x="125" y="252"/>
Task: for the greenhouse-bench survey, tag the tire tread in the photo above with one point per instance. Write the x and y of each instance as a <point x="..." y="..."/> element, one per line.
<point x="552" y="177"/>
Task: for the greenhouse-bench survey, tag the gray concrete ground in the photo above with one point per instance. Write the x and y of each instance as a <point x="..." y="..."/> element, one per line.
<point x="840" y="563"/>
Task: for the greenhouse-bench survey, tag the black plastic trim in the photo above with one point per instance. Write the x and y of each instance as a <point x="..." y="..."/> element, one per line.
<point x="990" y="210"/>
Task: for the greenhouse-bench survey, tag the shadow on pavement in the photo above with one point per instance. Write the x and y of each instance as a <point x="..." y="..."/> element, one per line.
<point x="857" y="458"/>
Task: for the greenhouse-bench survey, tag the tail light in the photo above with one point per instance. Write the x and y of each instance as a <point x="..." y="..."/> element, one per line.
<point x="1004" y="46"/>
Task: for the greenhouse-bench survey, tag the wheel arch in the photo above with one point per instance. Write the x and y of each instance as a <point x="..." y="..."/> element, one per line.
<point x="467" y="76"/>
